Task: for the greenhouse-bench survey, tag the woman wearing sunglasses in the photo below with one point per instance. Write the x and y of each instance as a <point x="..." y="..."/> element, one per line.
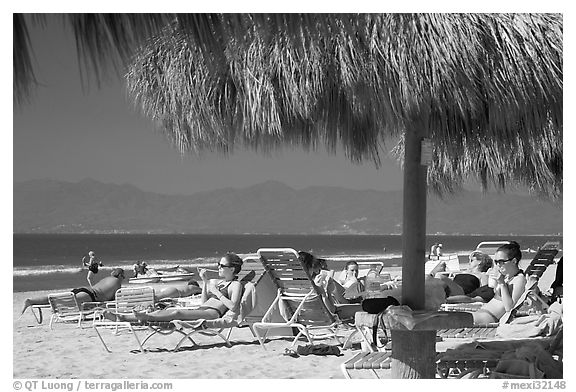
<point x="218" y="295"/>
<point x="510" y="285"/>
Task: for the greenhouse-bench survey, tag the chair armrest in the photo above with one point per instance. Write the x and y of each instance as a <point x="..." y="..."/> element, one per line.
<point x="93" y="305"/>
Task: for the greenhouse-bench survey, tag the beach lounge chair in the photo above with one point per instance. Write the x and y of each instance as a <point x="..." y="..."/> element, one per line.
<point x="481" y="359"/>
<point x="372" y="361"/>
<point x="542" y="259"/>
<point x="127" y="300"/>
<point x="143" y="297"/>
<point x="298" y="299"/>
<point x="215" y="327"/>
<point x="65" y="308"/>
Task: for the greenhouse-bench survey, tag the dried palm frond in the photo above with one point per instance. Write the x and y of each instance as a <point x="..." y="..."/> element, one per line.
<point x="490" y="86"/>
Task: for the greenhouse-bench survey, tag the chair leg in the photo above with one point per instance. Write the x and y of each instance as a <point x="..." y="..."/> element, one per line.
<point x="39" y="316"/>
<point x="101" y="339"/>
<point x="52" y="320"/>
<point x="261" y="338"/>
<point x="186" y="336"/>
<point x="137" y="340"/>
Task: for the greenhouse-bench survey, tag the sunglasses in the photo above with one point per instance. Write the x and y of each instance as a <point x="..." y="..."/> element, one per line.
<point x="224" y="266"/>
<point x="500" y="262"/>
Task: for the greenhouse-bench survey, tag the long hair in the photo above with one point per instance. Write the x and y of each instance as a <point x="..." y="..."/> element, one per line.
<point x="512" y="250"/>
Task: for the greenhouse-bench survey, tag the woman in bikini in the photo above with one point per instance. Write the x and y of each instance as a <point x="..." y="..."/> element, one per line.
<point x="218" y="295"/>
<point x="509" y="285"/>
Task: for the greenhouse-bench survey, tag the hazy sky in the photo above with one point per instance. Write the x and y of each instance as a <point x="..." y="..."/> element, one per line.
<point x="70" y="134"/>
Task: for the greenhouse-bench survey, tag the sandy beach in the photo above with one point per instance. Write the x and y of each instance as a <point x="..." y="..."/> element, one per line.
<point x="69" y="352"/>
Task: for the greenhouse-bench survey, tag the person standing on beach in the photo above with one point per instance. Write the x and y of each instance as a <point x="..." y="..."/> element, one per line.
<point x="432" y="254"/>
<point x="103" y="291"/>
<point x="92" y="264"/>
<point x="438" y="250"/>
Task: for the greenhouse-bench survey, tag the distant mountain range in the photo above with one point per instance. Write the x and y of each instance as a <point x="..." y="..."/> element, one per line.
<point x="47" y="206"/>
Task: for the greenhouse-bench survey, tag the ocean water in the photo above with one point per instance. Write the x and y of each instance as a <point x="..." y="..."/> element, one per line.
<point x="53" y="261"/>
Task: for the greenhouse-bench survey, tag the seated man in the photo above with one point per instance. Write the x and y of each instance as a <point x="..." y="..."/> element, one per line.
<point x="104" y="290"/>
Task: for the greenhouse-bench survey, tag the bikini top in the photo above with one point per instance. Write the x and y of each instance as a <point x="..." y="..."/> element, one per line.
<point x="214" y="302"/>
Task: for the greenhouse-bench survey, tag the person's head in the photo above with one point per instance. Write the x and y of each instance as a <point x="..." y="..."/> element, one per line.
<point x="480" y="261"/>
<point x="91" y="253"/>
<point x="230" y="265"/>
<point x="352" y="267"/>
<point x="507" y="257"/>
<point x="310" y="263"/>
<point x="118" y="273"/>
<point x="138" y="262"/>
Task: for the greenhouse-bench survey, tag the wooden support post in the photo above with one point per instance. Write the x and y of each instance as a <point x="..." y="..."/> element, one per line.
<point x="413" y="354"/>
<point x="414" y="221"/>
<point x="414" y="351"/>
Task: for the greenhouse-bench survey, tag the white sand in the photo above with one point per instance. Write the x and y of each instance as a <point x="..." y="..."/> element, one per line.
<point x="71" y="352"/>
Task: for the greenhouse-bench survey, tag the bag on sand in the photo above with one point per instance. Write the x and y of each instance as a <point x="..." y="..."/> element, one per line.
<point x="377" y="305"/>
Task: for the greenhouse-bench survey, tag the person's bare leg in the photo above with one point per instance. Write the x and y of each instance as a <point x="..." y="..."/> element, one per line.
<point x="89" y="278"/>
<point x="34" y="301"/>
<point x="177" y="314"/>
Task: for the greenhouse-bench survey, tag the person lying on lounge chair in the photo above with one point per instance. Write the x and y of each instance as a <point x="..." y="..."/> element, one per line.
<point x="334" y="297"/>
<point x="192" y="288"/>
<point x="474" y="282"/>
<point x="218" y="296"/>
<point x="510" y="285"/>
<point x="103" y="291"/>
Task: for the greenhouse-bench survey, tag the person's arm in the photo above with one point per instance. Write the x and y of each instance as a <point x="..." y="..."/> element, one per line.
<point x="202" y="273"/>
<point x="462" y="299"/>
<point x="322" y="283"/>
<point x="235" y="294"/>
<point x="510" y="293"/>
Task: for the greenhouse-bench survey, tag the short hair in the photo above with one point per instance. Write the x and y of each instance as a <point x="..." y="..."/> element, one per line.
<point x="485" y="260"/>
<point x="351" y="262"/>
<point x="235" y="261"/>
<point x="116" y="272"/>
<point x="512" y="250"/>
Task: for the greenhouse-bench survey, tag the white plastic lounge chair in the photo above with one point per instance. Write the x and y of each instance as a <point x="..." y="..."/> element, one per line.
<point x="372" y="361"/>
<point x="127" y="300"/>
<point x="479" y="359"/>
<point x="216" y="327"/>
<point x="298" y="299"/>
<point x="542" y="259"/>
<point x="65" y="308"/>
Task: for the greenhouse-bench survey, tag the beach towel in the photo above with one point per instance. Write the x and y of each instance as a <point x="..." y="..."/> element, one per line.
<point x="318" y="349"/>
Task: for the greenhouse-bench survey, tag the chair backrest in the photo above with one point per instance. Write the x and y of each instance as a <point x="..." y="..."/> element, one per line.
<point x="543" y="258"/>
<point x="294" y="283"/>
<point x="64" y="304"/>
<point x="130" y="298"/>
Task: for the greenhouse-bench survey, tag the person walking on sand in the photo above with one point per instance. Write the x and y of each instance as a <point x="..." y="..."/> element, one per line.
<point x="103" y="291"/>
<point x="92" y="264"/>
